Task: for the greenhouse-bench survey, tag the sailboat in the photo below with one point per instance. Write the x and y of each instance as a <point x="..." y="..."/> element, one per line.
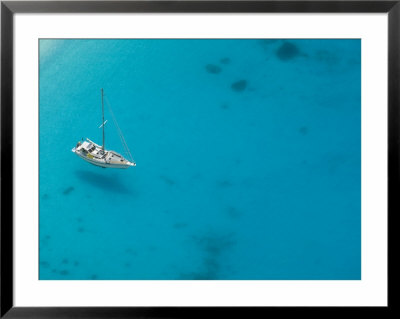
<point x="98" y="155"/>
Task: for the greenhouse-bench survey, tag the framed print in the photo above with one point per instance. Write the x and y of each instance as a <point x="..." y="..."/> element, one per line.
<point x="192" y="158"/>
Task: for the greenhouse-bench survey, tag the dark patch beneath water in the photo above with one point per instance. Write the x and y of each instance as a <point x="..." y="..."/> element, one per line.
<point x="81" y="230"/>
<point x="303" y="130"/>
<point x="353" y="62"/>
<point x="167" y="180"/>
<point x="45" y="240"/>
<point x="45" y="196"/>
<point x="68" y="190"/>
<point x="326" y="57"/>
<point x="180" y="225"/>
<point x="224" y="106"/>
<point x="130" y="251"/>
<point x="334" y="162"/>
<point x="288" y="51"/>
<point x="94" y="277"/>
<point x="224" y="183"/>
<point x="213" y="247"/>
<point x="239" y="86"/>
<point x="65" y="261"/>
<point x="104" y="182"/>
<point x="213" y="69"/>
<point x="225" y="60"/>
<point x="210" y="274"/>
<point x="233" y="212"/>
<point x="64" y="272"/>
<point x="76" y="263"/>
<point x="215" y="244"/>
<point x="44" y="264"/>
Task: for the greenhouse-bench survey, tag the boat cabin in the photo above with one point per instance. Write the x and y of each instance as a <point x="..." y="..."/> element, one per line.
<point x="88" y="147"/>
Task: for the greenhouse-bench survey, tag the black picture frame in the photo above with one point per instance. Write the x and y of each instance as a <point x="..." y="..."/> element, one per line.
<point x="9" y="8"/>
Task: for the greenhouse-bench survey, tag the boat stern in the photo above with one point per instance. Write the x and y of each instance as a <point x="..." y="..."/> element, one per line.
<point x="77" y="147"/>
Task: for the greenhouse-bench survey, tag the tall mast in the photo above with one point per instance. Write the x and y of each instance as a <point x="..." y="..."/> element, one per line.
<point x="102" y="109"/>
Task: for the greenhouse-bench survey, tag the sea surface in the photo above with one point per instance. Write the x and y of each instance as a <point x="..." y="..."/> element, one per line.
<point x="248" y="159"/>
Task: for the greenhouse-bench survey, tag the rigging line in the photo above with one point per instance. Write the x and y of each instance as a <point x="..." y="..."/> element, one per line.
<point x="118" y="129"/>
<point x="121" y="136"/>
<point x="123" y="141"/>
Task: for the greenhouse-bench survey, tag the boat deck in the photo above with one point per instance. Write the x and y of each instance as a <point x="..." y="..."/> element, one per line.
<point x="94" y="154"/>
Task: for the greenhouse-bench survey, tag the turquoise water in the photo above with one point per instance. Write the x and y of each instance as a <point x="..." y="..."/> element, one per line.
<point x="248" y="160"/>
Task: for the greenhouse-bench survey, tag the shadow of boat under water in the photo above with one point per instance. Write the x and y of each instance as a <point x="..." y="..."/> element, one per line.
<point x="109" y="183"/>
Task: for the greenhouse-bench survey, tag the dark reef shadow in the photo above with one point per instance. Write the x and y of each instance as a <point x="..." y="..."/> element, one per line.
<point x="239" y="86"/>
<point x="212" y="246"/>
<point x="180" y="225"/>
<point x="213" y="69"/>
<point x="68" y="190"/>
<point x="288" y="51"/>
<point x="233" y="212"/>
<point x="225" y="60"/>
<point x="326" y="57"/>
<point x="167" y="180"/>
<point x="104" y="182"/>
<point x="303" y="130"/>
<point x="225" y="183"/>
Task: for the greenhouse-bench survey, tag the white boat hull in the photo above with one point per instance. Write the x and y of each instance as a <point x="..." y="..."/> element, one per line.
<point x="106" y="161"/>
